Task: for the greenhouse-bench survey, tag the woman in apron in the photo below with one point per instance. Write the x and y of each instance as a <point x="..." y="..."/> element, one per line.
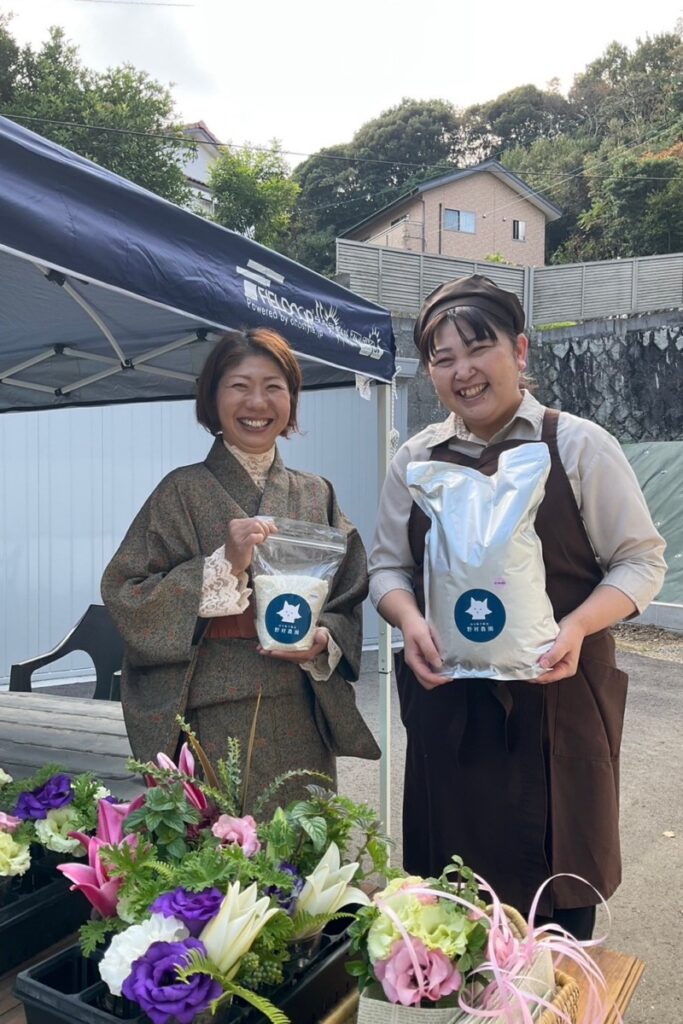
<point x="521" y="779"/>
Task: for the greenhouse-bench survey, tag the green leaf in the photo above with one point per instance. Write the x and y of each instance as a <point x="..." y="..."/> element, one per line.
<point x="263" y="1005"/>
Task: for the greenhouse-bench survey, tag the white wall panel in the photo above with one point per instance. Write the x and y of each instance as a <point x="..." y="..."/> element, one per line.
<point x="72" y="480"/>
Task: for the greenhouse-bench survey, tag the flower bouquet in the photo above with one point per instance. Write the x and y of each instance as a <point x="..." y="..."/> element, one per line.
<point x="37" y="817"/>
<point x="432" y="950"/>
<point x="199" y="905"/>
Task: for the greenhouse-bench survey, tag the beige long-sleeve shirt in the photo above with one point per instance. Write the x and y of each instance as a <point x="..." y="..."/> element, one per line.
<point x="627" y="546"/>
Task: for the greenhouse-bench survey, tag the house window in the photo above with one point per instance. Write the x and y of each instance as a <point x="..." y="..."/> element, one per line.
<point x="459" y="220"/>
<point x="519" y="230"/>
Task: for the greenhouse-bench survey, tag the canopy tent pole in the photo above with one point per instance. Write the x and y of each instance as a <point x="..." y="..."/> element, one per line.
<point x="384" y="427"/>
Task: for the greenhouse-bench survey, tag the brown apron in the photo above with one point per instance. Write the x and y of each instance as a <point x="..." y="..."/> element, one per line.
<point x="520" y="779"/>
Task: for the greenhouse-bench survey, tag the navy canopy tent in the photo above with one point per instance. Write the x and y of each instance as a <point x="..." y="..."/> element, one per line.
<point x="109" y="293"/>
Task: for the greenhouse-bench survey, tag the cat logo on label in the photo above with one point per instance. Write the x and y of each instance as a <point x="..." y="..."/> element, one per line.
<point x="288" y="618"/>
<point x="479" y="615"/>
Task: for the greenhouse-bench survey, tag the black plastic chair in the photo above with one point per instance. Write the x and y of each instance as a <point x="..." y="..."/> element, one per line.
<point x="95" y="634"/>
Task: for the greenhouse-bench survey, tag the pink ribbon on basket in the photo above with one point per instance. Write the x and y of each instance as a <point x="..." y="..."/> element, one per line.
<point x="507" y="955"/>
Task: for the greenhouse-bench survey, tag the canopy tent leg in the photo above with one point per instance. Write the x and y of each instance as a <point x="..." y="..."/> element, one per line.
<point x="384" y="426"/>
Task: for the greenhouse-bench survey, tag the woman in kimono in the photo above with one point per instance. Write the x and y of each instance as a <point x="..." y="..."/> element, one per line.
<point x="178" y="587"/>
<point x="519" y="778"/>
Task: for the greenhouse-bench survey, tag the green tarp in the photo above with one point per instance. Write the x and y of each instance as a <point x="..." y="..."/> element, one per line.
<point x="659" y="468"/>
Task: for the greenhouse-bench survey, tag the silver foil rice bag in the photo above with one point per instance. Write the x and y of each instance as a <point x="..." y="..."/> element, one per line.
<point x="484" y="575"/>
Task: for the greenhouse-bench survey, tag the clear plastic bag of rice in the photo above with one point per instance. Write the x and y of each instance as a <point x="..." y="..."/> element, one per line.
<point x="485" y="596"/>
<point x="292" y="572"/>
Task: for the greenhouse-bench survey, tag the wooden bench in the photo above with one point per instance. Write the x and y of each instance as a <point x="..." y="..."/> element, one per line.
<point x="78" y="733"/>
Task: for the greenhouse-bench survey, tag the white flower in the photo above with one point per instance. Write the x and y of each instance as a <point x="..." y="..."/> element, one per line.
<point x="53" y="831"/>
<point x="327" y="888"/>
<point x="127" y="946"/>
<point x="101" y="792"/>
<point x="15" y="858"/>
<point x="5" y="779"/>
<point x="230" y="934"/>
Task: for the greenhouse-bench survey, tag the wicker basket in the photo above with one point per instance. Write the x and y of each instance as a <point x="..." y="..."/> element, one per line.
<point x="566" y="996"/>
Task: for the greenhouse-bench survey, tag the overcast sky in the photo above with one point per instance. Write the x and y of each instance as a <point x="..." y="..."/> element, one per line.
<point x="310" y="73"/>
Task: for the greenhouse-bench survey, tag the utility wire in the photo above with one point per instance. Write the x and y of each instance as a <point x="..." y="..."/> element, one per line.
<point x="136" y="3"/>
<point x="192" y="142"/>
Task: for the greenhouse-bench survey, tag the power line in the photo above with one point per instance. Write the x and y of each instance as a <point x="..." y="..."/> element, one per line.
<point x="192" y="142"/>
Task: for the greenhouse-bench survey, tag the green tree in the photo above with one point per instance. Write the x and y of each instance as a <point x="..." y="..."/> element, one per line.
<point x="51" y="83"/>
<point x="342" y="184"/>
<point x="631" y="95"/>
<point x="9" y="54"/>
<point x="636" y="207"/>
<point x="516" y="118"/>
<point x="253" y="193"/>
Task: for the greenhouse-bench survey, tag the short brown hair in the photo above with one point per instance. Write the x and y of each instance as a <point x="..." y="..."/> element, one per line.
<point x="229" y="352"/>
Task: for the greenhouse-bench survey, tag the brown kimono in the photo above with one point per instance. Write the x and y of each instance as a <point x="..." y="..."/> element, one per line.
<point x="520" y="779"/>
<point x="175" y="665"/>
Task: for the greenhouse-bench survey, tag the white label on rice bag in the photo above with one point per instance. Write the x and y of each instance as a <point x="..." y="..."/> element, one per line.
<point x="287" y="610"/>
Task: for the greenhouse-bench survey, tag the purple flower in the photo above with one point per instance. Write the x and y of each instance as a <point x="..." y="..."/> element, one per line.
<point x="285" y="899"/>
<point x="34" y="804"/>
<point x="153" y="983"/>
<point x="194" y="909"/>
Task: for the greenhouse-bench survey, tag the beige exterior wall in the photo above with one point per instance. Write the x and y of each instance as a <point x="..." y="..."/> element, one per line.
<point x="495" y="206"/>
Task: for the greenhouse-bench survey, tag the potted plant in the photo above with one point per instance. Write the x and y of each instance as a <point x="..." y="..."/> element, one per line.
<point x="202" y="909"/>
<point x="37" y="816"/>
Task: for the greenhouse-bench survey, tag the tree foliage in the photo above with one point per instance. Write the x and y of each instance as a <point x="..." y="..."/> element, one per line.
<point x="624" y="110"/>
<point x="51" y="82"/>
<point x="253" y="193"/>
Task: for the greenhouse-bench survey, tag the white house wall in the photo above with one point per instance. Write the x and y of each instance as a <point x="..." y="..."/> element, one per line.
<point x="72" y="480"/>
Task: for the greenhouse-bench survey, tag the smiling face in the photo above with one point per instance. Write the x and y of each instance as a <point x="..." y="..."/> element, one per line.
<point x="478" y="380"/>
<point x="253" y="404"/>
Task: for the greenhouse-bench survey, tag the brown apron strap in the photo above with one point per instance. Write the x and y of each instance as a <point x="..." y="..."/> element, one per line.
<point x="549" y="430"/>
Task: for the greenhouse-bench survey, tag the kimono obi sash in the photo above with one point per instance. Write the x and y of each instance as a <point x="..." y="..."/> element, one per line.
<point x="228" y="627"/>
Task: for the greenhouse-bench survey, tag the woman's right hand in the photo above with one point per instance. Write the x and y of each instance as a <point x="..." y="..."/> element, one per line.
<point x="420" y="651"/>
<point x="243" y="536"/>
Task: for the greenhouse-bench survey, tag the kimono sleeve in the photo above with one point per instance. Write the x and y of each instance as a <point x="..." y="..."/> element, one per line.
<point x="153" y="583"/>
<point x="343" y="613"/>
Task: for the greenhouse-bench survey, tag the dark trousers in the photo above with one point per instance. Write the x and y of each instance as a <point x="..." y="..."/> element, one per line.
<point x="578" y="921"/>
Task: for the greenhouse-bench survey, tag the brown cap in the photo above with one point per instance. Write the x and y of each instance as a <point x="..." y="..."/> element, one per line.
<point x="475" y="290"/>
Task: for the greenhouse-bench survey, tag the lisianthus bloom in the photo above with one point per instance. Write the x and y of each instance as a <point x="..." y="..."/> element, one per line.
<point x="15" y="858"/>
<point x="153" y="983"/>
<point x="284" y="898"/>
<point x="327" y="888"/>
<point x="5" y="779"/>
<point x="34" y="804"/>
<point x="8" y="823"/>
<point x="53" y="831"/>
<point x="128" y="946"/>
<point x="194" y="909"/>
<point x="93" y="880"/>
<point x="440" y="924"/>
<point x="241" y="831"/>
<point x="234" y="928"/>
<point x="186" y="765"/>
<point x="440" y="978"/>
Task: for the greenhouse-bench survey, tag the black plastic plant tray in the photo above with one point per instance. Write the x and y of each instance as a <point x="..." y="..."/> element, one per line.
<point x="37" y="911"/>
<point x="66" y="989"/>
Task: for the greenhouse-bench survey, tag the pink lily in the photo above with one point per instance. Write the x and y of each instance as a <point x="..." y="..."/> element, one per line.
<point x="110" y="819"/>
<point x="186" y="765"/>
<point x="93" y="881"/>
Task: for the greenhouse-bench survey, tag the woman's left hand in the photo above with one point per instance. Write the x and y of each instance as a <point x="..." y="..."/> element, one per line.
<point x="320" y="638"/>
<point x="562" y="659"/>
